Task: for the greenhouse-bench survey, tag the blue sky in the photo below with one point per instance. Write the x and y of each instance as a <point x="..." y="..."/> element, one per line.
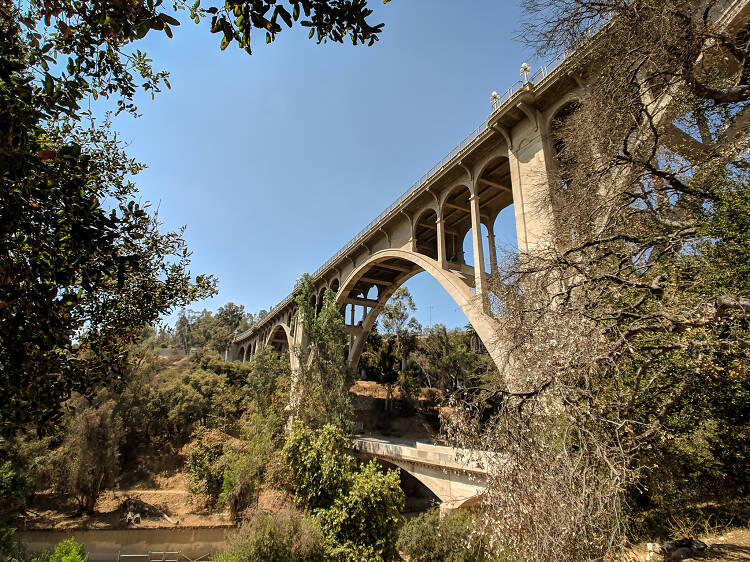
<point x="274" y="161"/>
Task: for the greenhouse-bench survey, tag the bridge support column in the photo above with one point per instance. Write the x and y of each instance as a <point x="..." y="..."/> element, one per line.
<point x="476" y="231"/>
<point x="492" y="249"/>
<point x="441" y="258"/>
<point x="530" y="184"/>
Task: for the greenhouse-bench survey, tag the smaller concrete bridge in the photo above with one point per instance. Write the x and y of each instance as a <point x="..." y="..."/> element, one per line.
<point x="455" y="482"/>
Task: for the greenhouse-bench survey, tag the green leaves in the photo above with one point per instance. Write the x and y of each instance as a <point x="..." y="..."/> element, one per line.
<point x="359" y="510"/>
<point x="83" y="266"/>
<point x="169" y="19"/>
<point x="329" y="20"/>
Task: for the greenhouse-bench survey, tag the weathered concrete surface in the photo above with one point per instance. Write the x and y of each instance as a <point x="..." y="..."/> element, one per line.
<point x="104" y="544"/>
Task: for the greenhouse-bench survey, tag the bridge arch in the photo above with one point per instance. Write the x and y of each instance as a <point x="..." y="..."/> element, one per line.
<point x="425" y="232"/>
<point x="280" y="338"/>
<point x="561" y="106"/>
<point x="431" y="471"/>
<point x="403" y="265"/>
<point x="416" y="488"/>
<point x="499" y="155"/>
<point x="455" y="210"/>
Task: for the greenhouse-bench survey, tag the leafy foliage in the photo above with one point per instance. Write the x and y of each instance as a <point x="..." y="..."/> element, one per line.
<point x="323" y="376"/>
<point x="320" y="467"/>
<point x="359" y="510"/>
<point x="363" y="522"/>
<point x="286" y="536"/>
<point x="15" y="487"/>
<point x="451" y="538"/>
<point x="268" y="381"/>
<point x="83" y="266"/>
<point x="447" y="361"/>
<point x="246" y="466"/>
<point x="88" y="460"/>
<point x="183" y="399"/>
<point x="8" y="545"/>
<point x="69" y="551"/>
<point x="211" y="332"/>
<point x="205" y="466"/>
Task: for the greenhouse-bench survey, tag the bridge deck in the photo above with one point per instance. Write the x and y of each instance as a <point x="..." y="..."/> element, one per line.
<point x="422" y="452"/>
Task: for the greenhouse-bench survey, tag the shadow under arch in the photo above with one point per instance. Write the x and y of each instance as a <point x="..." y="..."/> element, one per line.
<point x="280" y="338"/>
<point x="389" y="269"/>
<point x="419" y="496"/>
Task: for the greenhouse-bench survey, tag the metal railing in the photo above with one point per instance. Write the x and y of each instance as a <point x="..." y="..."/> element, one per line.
<point x="160" y="556"/>
<point x="497" y="103"/>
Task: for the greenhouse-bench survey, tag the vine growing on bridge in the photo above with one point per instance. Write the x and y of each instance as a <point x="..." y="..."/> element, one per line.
<point x="320" y="392"/>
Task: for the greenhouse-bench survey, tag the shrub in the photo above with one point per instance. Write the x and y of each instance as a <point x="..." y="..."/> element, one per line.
<point x="246" y="466"/>
<point x="187" y="398"/>
<point x="69" y="551"/>
<point x="240" y="485"/>
<point x="319" y="466"/>
<point x="90" y="457"/>
<point x="15" y="487"/>
<point x="267" y="382"/>
<point x="363" y="523"/>
<point x="286" y="536"/>
<point x="8" y="544"/>
<point x="452" y="538"/>
<point x="203" y="467"/>
<point x="278" y="476"/>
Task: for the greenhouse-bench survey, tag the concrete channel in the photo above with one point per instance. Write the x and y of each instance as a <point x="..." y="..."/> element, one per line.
<point x="133" y="545"/>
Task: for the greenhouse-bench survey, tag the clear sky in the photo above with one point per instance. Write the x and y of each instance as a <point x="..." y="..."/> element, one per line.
<point x="274" y="161"/>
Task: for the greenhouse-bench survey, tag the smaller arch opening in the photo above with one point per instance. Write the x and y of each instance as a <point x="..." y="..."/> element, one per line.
<point x="319" y="300"/>
<point x="278" y="341"/>
<point x="419" y="497"/>
<point x="456" y="222"/>
<point x="468" y="246"/>
<point x="425" y="234"/>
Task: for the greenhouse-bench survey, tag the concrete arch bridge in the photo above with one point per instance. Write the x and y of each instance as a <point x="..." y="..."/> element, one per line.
<point x="507" y="160"/>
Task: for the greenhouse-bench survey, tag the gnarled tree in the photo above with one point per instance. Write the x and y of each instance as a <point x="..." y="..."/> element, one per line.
<point x="628" y="335"/>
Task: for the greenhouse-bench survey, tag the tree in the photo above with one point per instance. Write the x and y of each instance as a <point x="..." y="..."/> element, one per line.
<point x="320" y="467"/>
<point x="322" y="379"/>
<point x="634" y="320"/>
<point x="282" y="536"/>
<point x="359" y="510"/>
<point x="90" y="454"/>
<point x="267" y="382"/>
<point x="83" y="266"/>
<point x="363" y="523"/>
<point x="448" y="362"/>
<point x="453" y="537"/>
<point x="401" y="329"/>
<point x="69" y="551"/>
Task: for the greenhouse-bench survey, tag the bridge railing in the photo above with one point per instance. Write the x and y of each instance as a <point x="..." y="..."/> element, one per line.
<point x="436" y="169"/>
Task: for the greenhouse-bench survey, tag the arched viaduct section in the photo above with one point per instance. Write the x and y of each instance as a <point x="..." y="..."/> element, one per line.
<point x="502" y="163"/>
<point x="388" y="269"/>
<point x="509" y="159"/>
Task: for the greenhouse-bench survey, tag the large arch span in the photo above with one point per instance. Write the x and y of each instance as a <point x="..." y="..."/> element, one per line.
<point x="388" y="270"/>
